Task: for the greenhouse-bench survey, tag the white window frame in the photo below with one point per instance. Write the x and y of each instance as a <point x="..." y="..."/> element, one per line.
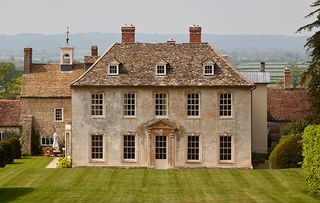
<point x="48" y="138"/>
<point x="232" y="153"/>
<point x="55" y="115"/>
<point x="164" y="69"/>
<point x="91" y="105"/>
<point x="109" y="69"/>
<point x="212" y="68"/>
<point x="91" y="148"/>
<point x="166" y="105"/>
<point x="199" y="148"/>
<point x="231" y="110"/>
<point x="187" y="105"/>
<point x="126" y="105"/>
<point x="135" y="147"/>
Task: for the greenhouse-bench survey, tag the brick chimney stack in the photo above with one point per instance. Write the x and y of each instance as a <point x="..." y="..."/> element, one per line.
<point x="195" y="34"/>
<point x="128" y="34"/>
<point x="94" y="50"/>
<point x="262" y="66"/>
<point x="287" y="78"/>
<point x="27" y="60"/>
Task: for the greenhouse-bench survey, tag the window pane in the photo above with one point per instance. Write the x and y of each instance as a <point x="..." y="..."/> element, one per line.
<point x="129" y="105"/>
<point x="129" y="147"/>
<point x="97" y="104"/>
<point x="160" y="104"/>
<point x="193" y="147"/>
<point x="225" y="108"/>
<point x="193" y="104"/>
<point x="96" y="146"/>
<point x="225" y="148"/>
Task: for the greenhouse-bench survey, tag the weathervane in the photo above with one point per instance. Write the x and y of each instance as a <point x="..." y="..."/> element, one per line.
<point x="67" y="35"/>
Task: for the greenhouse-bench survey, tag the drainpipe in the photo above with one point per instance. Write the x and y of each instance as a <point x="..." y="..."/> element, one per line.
<point x="253" y="88"/>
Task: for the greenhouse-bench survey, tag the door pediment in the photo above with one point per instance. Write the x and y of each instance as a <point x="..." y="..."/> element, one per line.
<point x="161" y="124"/>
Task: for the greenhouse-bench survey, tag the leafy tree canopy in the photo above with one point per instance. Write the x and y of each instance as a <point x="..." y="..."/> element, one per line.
<point x="311" y="78"/>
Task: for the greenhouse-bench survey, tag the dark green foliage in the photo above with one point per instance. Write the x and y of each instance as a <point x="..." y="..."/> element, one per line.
<point x="311" y="78"/>
<point x="8" y="151"/>
<point x="35" y="143"/>
<point x="311" y="161"/>
<point x="287" y="153"/>
<point x="15" y="143"/>
<point x="10" y="80"/>
<point x="3" y="158"/>
<point x="295" y="128"/>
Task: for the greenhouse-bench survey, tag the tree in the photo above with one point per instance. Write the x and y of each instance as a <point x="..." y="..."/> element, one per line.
<point x="311" y="78"/>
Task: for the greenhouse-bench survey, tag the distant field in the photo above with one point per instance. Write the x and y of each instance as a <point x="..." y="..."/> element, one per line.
<point x="274" y="68"/>
<point x="20" y="183"/>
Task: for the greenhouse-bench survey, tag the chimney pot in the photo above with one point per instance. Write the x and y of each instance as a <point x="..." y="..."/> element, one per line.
<point x="195" y="34"/>
<point x="262" y="66"/>
<point x="171" y="41"/>
<point x="94" y="50"/>
<point x="27" y="60"/>
<point x="287" y="78"/>
<point x="128" y="34"/>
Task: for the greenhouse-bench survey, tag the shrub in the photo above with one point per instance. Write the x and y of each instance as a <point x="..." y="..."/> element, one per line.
<point x="311" y="161"/>
<point x="15" y="143"/>
<point x="295" y="128"/>
<point x="3" y="158"/>
<point x="64" y="162"/>
<point x="8" y="151"/>
<point x="287" y="153"/>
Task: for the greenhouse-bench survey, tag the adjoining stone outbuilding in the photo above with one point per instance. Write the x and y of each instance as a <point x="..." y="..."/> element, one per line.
<point x="9" y="117"/>
<point x="163" y="105"/>
<point x="46" y="99"/>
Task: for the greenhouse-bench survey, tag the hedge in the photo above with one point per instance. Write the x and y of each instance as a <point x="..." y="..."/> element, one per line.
<point x="287" y="153"/>
<point x="8" y="151"/>
<point x="3" y="157"/>
<point x="15" y="143"/>
<point x="311" y="161"/>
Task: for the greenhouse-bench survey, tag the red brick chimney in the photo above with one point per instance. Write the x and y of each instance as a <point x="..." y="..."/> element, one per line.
<point x="94" y="50"/>
<point x="195" y="34"/>
<point x="287" y="78"/>
<point x="128" y="34"/>
<point x="27" y="60"/>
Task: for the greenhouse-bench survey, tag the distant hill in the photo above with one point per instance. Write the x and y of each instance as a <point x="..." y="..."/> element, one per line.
<point x="238" y="47"/>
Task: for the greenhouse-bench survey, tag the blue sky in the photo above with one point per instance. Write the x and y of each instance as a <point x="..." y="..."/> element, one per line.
<point x="282" y="17"/>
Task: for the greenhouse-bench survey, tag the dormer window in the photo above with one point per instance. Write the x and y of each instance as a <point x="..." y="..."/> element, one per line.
<point x="113" y="67"/>
<point x="208" y="68"/>
<point x="113" y="70"/>
<point x="161" y="70"/>
<point x="161" y="67"/>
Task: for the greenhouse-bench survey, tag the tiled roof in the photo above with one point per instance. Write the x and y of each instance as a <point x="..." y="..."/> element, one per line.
<point x="90" y="59"/>
<point x="286" y="105"/>
<point x="138" y="62"/>
<point x="10" y="113"/>
<point x="257" y="77"/>
<point x="47" y="80"/>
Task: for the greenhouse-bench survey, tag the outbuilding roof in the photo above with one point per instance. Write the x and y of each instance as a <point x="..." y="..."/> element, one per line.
<point x="47" y="80"/>
<point x="185" y="66"/>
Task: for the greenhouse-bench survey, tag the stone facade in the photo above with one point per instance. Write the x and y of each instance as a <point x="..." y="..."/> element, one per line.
<point x="41" y="118"/>
<point x="176" y="127"/>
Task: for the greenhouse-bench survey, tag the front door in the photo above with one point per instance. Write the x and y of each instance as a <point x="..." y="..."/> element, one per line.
<point x="161" y="152"/>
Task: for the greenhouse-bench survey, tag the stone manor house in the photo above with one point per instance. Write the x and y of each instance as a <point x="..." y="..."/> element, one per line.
<point x="156" y="105"/>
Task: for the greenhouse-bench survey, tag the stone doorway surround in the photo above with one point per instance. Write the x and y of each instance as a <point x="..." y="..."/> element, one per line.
<point x="161" y="127"/>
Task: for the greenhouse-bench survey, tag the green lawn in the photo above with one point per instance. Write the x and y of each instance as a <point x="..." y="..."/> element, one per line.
<point x="23" y="184"/>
